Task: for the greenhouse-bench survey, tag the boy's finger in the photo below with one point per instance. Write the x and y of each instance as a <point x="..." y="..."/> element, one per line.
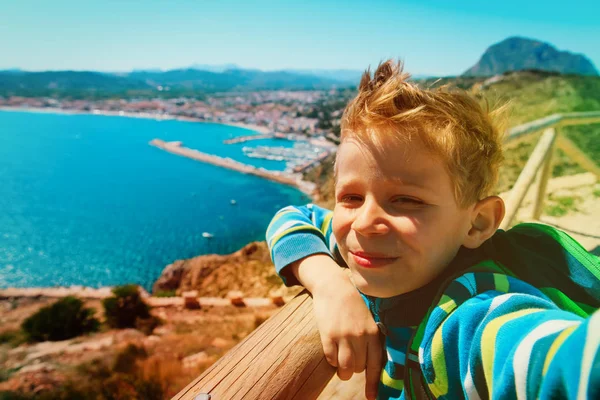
<point x="359" y="347"/>
<point x="331" y="351"/>
<point x="345" y="360"/>
<point x="374" y="361"/>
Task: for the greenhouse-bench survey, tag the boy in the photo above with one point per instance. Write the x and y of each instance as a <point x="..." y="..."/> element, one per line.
<point x="467" y="310"/>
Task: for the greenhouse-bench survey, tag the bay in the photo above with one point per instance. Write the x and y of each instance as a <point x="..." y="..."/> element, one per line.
<point x="86" y="201"/>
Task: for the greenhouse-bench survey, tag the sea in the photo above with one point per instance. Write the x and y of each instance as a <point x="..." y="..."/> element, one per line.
<point x="85" y="200"/>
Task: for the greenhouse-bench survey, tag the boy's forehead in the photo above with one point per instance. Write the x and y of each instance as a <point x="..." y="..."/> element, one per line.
<point x="402" y="164"/>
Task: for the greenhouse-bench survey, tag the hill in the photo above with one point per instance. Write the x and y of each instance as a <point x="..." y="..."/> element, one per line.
<point x="516" y="54"/>
<point x="75" y="83"/>
<point x="179" y="82"/>
<point x="532" y="95"/>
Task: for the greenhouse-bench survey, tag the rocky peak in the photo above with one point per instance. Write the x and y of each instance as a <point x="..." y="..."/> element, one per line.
<point x="517" y="53"/>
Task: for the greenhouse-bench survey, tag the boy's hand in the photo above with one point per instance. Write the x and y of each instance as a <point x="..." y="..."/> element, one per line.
<point x="348" y="332"/>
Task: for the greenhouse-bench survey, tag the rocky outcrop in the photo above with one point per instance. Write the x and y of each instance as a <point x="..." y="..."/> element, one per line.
<point x="248" y="270"/>
<point x="516" y="53"/>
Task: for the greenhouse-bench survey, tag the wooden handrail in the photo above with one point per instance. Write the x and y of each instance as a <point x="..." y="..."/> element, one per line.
<point x="542" y="156"/>
<point x="579" y="118"/>
<point x="536" y="160"/>
<point x="281" y="359"/>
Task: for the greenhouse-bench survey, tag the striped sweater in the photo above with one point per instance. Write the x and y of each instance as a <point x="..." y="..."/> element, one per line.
<point x="490" y="332"/>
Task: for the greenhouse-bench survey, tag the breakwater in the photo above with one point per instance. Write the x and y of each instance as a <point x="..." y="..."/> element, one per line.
<point x="295" y="180"/>
<point x="242" y="139"/>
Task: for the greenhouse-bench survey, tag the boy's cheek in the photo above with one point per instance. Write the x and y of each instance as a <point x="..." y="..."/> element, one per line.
<point x="340" y="225"/>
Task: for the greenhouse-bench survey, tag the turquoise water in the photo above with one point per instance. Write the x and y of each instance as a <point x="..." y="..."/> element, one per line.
<point x="86" y="200"/>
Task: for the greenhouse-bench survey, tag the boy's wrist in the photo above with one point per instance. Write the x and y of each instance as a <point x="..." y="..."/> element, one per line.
<point x="318" y="272"/>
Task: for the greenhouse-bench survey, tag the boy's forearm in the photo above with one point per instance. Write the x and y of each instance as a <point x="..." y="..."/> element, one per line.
<point x="316" y="272"/>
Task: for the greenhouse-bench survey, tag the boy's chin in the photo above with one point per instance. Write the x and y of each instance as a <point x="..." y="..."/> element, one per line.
<point x="375" y="289"/>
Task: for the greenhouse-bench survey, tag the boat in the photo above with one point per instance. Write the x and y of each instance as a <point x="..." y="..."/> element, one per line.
<point x="207" y="235"/>
<point x="233" y="202"/>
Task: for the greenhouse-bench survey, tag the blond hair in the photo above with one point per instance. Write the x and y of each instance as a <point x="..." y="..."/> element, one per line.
<point x="449" y="122"/>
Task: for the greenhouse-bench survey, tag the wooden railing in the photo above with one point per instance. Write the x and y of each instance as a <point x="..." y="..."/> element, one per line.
<point x="283" y="358"/>
<point x="540" y="161"/>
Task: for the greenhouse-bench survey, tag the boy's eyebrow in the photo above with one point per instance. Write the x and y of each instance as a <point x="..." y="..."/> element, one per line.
<point x="420" y="183"/>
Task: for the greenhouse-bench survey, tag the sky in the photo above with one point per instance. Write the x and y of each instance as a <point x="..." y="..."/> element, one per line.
<point x="432" y="37"/>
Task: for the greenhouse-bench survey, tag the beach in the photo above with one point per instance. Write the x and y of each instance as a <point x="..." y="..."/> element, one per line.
<point x="144" y="115"/>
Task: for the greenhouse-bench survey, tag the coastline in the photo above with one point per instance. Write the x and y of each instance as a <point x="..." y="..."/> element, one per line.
<point x="99" y="293"/>
<point x="306" y="187"/>
<point x="157" y="117"/>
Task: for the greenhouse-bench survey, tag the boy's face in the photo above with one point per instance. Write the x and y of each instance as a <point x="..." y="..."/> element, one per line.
<point x="396" y="221"/>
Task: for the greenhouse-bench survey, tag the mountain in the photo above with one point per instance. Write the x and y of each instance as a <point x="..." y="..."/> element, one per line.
<point x="341" y="75"/>
<point x="184" y="82"/>
<point x="517" y="53"/>
<point x="12" y="71"/>
<point x="348" y="76"/>
<point x="234" y="80"/>
<point x="214" y="68"/>
<point x="55" y="82"/>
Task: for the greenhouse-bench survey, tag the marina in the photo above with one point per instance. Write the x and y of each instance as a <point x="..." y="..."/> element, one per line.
<point x="299" y="158"/>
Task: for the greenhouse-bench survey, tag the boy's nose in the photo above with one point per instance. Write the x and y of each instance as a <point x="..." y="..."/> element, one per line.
<point x="370" y="220"/>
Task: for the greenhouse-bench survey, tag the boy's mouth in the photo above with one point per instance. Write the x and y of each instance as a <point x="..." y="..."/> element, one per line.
<point x="371" y="260"/>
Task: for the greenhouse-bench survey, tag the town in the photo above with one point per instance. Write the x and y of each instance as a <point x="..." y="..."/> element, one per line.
<point x="309" y="118"/>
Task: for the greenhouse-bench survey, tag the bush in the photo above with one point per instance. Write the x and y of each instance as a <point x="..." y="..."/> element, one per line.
<point x="127" y="358"/>
<point x="165" y="293"/>
<point x="121" y="386"/>
<point x="13" y="396"/>
<point x="124" y="308"/>
<point x="147" y="325"/>
<point x="13" y="338"/>
<point x="62" y="320"/>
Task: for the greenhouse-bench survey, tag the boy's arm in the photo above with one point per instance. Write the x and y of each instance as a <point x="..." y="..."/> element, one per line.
<point x="296" y="233"/>
<point x="302" y="248"/>
<point x="510" y="345"/>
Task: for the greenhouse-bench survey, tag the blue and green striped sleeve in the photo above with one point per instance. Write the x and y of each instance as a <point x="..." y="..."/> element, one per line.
<point x="297" y="232"/>
<point x="494" y="336"/>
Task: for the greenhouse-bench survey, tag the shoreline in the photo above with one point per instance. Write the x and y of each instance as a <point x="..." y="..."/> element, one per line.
<point x="303" y="185"/>
<point x="157" y="117"/>
<point x="103" y="292"/>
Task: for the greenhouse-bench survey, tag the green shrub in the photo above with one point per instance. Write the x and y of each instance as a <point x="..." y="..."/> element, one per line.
<point x="13" y="396"/>
<point x="122" y="386"/>
<point x="165" y="293"/>
<point x="124" y="308"/>
<point x="126" y="359"/>
<point x="13" y="338"/>
<point x="62" y="320"/>
<point x="149" y="389"/>
<point x="147" y="325"/>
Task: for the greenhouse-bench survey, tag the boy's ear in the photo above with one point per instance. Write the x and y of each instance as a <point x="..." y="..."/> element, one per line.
<point x="486" y="217"/>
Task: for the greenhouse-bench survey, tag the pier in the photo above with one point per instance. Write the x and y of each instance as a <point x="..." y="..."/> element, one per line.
<point x="279" y="177"/>
<point x="242" y="139"/>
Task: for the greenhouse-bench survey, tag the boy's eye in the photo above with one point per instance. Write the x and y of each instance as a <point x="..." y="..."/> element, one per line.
<point x="351" y="198"/>
<point x="411" y="201"/>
